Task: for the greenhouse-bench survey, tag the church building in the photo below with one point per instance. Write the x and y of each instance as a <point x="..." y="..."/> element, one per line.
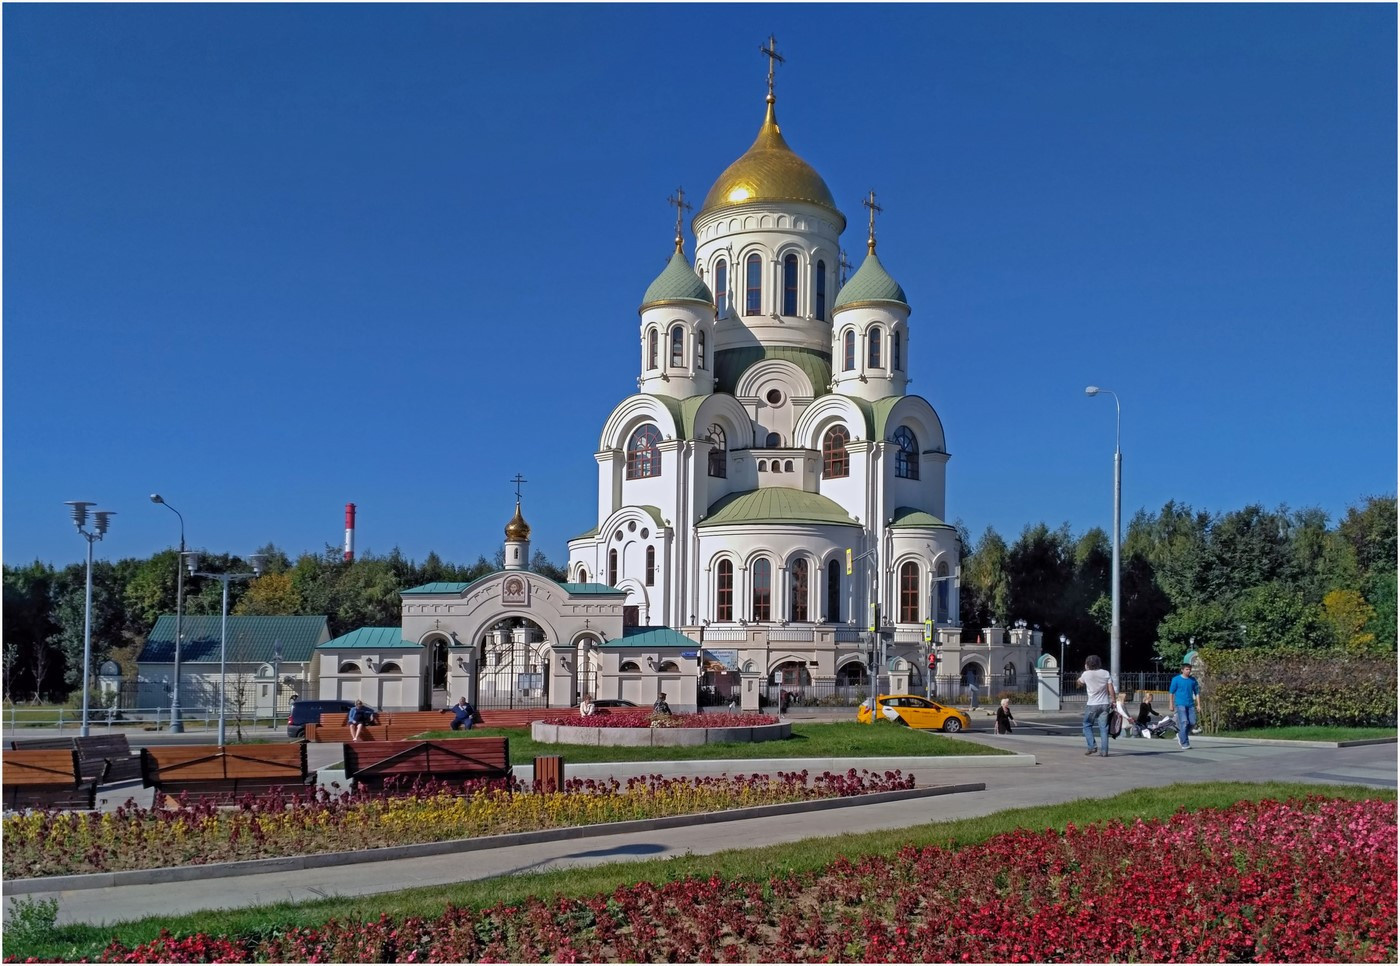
<point x="770" y="509"/>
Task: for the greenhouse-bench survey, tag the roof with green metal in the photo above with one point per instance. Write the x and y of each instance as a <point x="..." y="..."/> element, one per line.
<point x="877" y="415"/>
<point x="683" y="412"/>
<point x="730" y="365"/>
<point x="676" y="283"/>
<point x="590" y="532"/>
<point x="250" y="639"/>
<point x="907" y="516"/>
<point x="373" y="639"/>
<point x="441" y="587"/>
<point x="775" y="504"/>
<point x="593" y="590"/>
<point x="870" y="283"/>
<point x="651" y="637"/>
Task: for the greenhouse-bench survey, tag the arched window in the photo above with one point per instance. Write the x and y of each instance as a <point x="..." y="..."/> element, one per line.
<point x="762" y="590"/>
<point x="790" y="285"/>
<point x="787" y="466"/>
<point x="906" y="461"/>
<point x="699" y="350"/>
<point x="651" y="566"/>
<point x="643" y="458"/>
<point x="848" y="354"/>
<point x="874" y="362"/>
<point x="821" y="291"/>
<point x="896" y="362"/>
<point x="833" y="593"/>
<point x="763" y="466"/>
<point x="721" y="288"/>
<point x="628" y="667"/>
<point x="719" y="456"/>
<point x="836" y="462"/>
<point x="753" y="285"/>
<point x="797" y="606"/>
<point x="651" y="349"/>
<point x="724" y="591"/>
<point x="668" y="667"/>
<point x="612" y="568"/>
<point x="582" y="575"/>
<point x="1008" y="675"/>
<point x="773" y="440"/>
<point x="677" y="347"/>
<point x="909" y="593"/>
<point x="390" y="667"/>
<point x="943" y="593"/>
<point x="349" y="667"/>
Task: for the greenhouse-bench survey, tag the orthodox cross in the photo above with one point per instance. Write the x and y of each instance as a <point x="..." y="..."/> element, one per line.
<point x="517" y="481"/>
<point x="678" y="200"/>
<point x="870" y="203"/>
<point x="845" y="267"/>
<point x="774" y="58"/>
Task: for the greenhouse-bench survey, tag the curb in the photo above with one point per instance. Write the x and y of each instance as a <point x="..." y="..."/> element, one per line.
<point x="216" y="870"/>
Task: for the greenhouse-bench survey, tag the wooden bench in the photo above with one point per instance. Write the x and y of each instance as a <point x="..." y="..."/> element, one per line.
<point x="517" y="717"/>
<point x="224" y="773"/>
<point x="46" y="777"/>
<point x="403" y="762"/>
<point x="109" y="753"/>
<point x="91" y="770"/>
<point x="392" y="726"/>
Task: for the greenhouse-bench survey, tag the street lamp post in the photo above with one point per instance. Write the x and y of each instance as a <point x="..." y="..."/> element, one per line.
<point x="177" y="727"/>
<point x="192" y="561"/>
<point x="1115" y="646"/>
<point x="101" y="519"/>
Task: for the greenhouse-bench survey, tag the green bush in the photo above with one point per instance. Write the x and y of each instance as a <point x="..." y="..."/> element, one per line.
<point x="1272" y="687"/>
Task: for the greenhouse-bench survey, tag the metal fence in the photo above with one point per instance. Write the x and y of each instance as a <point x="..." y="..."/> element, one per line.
<point x="19" y="717"/>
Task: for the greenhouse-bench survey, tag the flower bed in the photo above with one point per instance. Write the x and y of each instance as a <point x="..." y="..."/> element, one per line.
<point x="52" y="842"/>
<point x="1311" y="881"/>
<point x="642" y="728"/>
<point x="643" y="718"/>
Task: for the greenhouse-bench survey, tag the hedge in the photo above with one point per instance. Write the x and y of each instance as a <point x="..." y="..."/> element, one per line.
<point x="1275" y="687"/>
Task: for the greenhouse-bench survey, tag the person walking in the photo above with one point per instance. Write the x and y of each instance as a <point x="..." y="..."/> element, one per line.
<point x="660" y="706"/>
<point x="1005" y="719"/>
<point x="1185" y="692"/>
<point x="1098" y="685"/>
<point x="972" y="692"/>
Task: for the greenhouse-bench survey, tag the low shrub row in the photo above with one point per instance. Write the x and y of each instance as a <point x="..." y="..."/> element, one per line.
<point x="1277" y="687"/>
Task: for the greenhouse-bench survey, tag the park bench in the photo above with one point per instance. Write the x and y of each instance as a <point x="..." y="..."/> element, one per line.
<point x="224" y="773"/>
<point x="46" y="777"/>
<point x="451" y="760"/>
<point x="392" y="726"/>
<point x="114" y="752"/>
<point x="91" y="770"/>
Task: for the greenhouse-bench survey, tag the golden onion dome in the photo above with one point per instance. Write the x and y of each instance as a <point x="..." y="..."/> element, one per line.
<point x="517" y="528"/>
<point x="769" y="171"/>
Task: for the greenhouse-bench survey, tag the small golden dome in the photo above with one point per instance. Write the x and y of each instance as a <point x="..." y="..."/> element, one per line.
<point x="517" y="529"/>
<point x="770" y="171"/>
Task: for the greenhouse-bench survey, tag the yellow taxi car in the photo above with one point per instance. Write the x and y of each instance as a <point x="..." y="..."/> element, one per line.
<point x="914" y="711"/>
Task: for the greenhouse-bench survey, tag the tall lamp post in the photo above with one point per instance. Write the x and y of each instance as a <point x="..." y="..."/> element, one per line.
<point x="1115" y="646"/>
<point x="192" y="561"/>
<point x="100" y="521"/>
<point x="177" y="727"/>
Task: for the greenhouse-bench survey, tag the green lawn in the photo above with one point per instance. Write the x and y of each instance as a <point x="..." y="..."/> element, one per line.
<point x="69" y="943"/>
<point x="1312" y="733"/>
<point x="844" y="739"/>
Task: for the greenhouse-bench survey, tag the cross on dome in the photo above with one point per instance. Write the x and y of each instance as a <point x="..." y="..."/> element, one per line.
<point x="517" y="481"/>
<point x="870" y="203"/>
<point x="774" y="59"/>
<point x="678" y="201"/>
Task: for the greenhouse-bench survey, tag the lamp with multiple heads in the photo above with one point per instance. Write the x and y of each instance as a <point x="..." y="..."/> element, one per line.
<point x="176" y="725"/>
<point x="101" y="520"/>
<point x="1116" y="635"/>
<point x="256" y="561"/>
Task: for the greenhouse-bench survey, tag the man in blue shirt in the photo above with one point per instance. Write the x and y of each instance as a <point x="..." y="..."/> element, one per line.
<point x="464" y="715"/>
<point x="1185" y="691"/>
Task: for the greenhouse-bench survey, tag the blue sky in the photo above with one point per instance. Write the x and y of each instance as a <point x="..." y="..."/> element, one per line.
<point x="268" y="260"/>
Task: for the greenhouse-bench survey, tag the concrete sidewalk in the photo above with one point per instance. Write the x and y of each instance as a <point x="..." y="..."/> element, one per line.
<point x="1062" y="773"/>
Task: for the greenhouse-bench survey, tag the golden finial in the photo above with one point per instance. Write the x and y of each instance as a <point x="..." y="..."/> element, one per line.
<point x="517" y="529"/>
<point x="678" y="200"/>
<point x="774" y="59"/>
<point x="870" y="203"/>
<point x="845" y="267"/>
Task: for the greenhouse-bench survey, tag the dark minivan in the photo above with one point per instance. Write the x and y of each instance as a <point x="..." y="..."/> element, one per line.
<point x="309" y="712"/>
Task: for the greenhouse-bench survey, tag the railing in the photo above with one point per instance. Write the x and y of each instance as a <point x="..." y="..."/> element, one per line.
<point x="17" y="718"/>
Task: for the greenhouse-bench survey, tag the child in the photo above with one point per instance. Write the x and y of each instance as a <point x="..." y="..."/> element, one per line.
<point x="1005" y="719"/>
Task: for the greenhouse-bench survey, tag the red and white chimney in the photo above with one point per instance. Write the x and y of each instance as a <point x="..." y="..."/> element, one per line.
<point x="349" y="532"/>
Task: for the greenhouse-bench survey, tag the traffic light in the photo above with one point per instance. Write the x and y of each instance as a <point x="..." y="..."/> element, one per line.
<point x="932" y="661"/>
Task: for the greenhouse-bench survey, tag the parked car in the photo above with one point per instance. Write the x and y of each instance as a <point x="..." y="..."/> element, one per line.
<point x="309" y="712"/>
<point x="914" y="711"/>
<point x="615" y="703"/>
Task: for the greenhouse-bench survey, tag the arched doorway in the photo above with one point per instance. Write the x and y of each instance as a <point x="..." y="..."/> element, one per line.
<point x="514" y="669"/>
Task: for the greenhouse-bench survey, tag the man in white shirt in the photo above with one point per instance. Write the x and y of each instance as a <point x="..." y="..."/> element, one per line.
<point x="1101" y="696"/>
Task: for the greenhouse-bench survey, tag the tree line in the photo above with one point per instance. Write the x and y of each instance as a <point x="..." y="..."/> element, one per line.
<point x="1248" y="578"/>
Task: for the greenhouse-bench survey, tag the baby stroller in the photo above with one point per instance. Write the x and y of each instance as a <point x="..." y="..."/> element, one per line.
<point x="1160" y="726"/>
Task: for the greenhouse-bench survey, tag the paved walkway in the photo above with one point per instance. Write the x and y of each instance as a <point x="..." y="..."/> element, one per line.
<point x="1061" y="773"/>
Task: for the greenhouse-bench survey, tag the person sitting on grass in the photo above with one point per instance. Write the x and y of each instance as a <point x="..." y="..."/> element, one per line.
<point x="463" y="715"/>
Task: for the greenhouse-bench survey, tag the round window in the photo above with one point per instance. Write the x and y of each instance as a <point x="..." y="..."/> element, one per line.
<point x="618" y="535"/>
<point x="632" y="526"/>
<point x="774" y="397"/>
<point x="645" y="533"/>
